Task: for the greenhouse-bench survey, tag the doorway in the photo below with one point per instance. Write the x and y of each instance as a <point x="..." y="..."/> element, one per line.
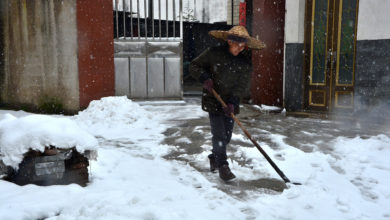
<point x="267" y="77"/>
<point x="330" y="48"/>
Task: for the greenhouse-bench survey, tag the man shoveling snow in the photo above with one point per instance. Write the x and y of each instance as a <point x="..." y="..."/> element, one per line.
<point x="226" y="69"/>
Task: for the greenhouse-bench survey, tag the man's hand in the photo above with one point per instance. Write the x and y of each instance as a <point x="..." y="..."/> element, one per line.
<point x="208" y="84"/>
<point x="229" y="109"/>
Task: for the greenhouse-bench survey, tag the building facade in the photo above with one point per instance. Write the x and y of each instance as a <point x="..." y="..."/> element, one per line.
<point x="322" y="56"/>
<point x="337" y="56"/>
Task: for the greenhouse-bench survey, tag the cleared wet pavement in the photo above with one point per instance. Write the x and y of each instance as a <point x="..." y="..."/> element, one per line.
<point x="305" y="133"/>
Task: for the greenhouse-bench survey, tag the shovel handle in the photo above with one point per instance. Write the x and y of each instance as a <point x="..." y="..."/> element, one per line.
<point x="281" y="174"/>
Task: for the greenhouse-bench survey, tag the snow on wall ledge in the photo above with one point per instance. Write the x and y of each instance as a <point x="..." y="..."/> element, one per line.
<point x="373" y="20"/>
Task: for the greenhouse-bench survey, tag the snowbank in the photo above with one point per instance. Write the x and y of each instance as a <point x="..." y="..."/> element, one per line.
<point x="19" y="135"/>
<point x="116" y="117"/>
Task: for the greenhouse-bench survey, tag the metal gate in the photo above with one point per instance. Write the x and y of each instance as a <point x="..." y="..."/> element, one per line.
<point x="148" y="39"/>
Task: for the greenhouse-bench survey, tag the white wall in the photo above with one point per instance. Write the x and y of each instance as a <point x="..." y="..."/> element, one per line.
<point x="374" y="20"/>
<point x="217" y="11"/>
<point x="295" y="19"/>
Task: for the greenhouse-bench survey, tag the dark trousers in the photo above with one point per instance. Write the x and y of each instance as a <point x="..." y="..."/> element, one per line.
<point x="221" y="129"/>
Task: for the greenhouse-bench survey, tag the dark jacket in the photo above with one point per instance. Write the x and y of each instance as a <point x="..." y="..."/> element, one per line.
<point x="230" y="74"/>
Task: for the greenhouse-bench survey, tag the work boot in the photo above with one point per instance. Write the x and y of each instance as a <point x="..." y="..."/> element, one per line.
<point x="213" y="164"/>
<point x="225" y="173"/>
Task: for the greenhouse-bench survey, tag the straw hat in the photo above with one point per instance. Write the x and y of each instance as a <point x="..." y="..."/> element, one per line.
<point x="239" y="31"/>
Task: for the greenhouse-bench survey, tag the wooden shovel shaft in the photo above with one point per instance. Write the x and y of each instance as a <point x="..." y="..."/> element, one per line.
<point x="281" y="174"/>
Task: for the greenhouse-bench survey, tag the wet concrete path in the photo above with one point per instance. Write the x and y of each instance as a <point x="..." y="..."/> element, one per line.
<point x="189" y="150"/>
<point x="193" y="138"/>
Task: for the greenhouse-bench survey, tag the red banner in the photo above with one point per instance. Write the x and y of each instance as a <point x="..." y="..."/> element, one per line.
<point x="242" y="21"/>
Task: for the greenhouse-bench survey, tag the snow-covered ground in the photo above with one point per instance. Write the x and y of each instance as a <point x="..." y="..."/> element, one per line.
<point x="132" y="180"/>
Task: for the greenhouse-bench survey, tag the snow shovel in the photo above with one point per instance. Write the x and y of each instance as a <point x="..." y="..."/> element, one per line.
<point x="281" y="174"/>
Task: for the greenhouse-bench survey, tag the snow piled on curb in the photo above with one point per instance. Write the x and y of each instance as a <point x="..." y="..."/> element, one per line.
<point x="19" y="135"/>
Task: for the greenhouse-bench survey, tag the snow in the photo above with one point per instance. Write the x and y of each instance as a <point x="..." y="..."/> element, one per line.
<point x="266" y="108"/>
<point x="117" y="117"/>
<point x="18" y="135"/>
<point x="132" y="180"/>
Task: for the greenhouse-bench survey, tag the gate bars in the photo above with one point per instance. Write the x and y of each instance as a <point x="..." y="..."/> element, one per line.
<point x="148" y="8"/>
